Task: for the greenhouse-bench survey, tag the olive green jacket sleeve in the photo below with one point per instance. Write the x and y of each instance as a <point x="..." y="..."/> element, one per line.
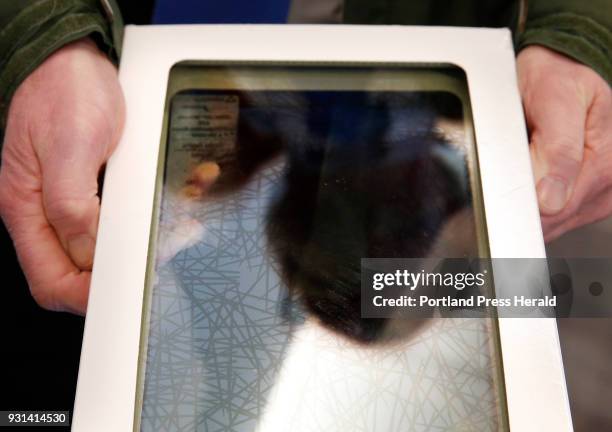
<point x="581" y="29"/>
<point x="30" y="30"/>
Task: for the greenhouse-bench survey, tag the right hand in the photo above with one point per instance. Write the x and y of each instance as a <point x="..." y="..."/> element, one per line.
<point x="63" y="123"/>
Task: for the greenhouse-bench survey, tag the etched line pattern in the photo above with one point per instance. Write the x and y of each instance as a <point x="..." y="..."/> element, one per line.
<point x="224" y="355"/>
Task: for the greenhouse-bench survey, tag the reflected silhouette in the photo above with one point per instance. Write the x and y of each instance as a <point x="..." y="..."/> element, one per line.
<point x="366" y="175"/>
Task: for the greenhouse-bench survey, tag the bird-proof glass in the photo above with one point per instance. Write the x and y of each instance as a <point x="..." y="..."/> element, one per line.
<point x="275" y="181"/>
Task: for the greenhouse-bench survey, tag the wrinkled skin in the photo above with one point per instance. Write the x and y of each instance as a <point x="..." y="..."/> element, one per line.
<point x="66" y="118"/>
<point x="64" y="122"/>
<point x="568" y="108"/>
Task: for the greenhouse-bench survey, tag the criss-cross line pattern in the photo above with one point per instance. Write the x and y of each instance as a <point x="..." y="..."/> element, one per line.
<point x="225" y="355"/>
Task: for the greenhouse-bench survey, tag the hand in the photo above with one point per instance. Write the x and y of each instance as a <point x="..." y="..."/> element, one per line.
<point x="63" y="123"/>
<point x="569" y="114"/>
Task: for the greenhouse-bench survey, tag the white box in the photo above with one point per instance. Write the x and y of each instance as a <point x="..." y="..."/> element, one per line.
<point x="107" y="393"/>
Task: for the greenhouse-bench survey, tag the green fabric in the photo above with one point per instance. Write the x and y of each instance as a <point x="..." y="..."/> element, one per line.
<point x="116" y="26"/>
<point x="581" y="29"/>
<point x="33" y="29"/>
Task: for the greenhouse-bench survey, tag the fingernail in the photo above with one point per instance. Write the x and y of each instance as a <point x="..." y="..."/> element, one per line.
<point x="552" y="194"/>
<point x="81" y="250"/>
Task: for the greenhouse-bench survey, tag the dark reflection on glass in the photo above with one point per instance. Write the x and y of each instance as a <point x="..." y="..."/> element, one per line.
<point x="267" y="201"/>
<point x="367" y="175"/>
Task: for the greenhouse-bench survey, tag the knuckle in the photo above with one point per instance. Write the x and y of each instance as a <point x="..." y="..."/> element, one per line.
<point x="93" y="131"/>
<point x="4" y="197"/>
<point x="45" y="298"/>
<point x="584" y="74"/>
<point x="8" y="197"/>
<point x="100" y="106"/>
<point x="605" y="171"/>
<point x="84" y="123"/>
<point x="607" y="177"/>
<point x="604" y="91"/>
<point x="564" y="151"/>
<point x="62" y="210"/>
<point x="588" y="76"/>
<point x="592" y="83"/>
<point x="607" y="91"/>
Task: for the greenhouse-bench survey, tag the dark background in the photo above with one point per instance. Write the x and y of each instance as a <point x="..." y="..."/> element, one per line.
<point x="39" y="350"/>
<point x="136" y="11"/>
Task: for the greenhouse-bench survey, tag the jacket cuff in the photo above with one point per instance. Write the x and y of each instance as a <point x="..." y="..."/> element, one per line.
<point x="578" y="37"/>
<point x="42" y="28"/>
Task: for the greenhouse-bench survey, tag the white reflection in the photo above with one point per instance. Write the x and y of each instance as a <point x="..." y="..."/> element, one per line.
<point x="441" y="380"/>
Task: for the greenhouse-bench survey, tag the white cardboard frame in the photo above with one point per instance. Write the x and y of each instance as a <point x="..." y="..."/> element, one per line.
<point x="533" y="370"/>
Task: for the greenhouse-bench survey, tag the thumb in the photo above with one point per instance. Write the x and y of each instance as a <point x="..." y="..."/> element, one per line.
<point x="557" y="124"/>
<point x="70" y="188"/>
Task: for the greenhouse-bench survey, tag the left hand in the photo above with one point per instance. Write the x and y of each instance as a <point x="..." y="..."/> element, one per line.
<point x="568" y="107"/>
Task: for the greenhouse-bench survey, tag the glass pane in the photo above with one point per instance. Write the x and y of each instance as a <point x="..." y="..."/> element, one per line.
<point x="274" y="182"/>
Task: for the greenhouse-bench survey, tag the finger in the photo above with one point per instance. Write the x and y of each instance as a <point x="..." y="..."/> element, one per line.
<point x="590" y="201"/>
<point x="557" y="122"/>
<point x="70" y="184"/>
<point x="599" y="116"/>
<point x="55" y="282"/>
<point x="595" y="210"/>
<point x="591" y="195"/>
